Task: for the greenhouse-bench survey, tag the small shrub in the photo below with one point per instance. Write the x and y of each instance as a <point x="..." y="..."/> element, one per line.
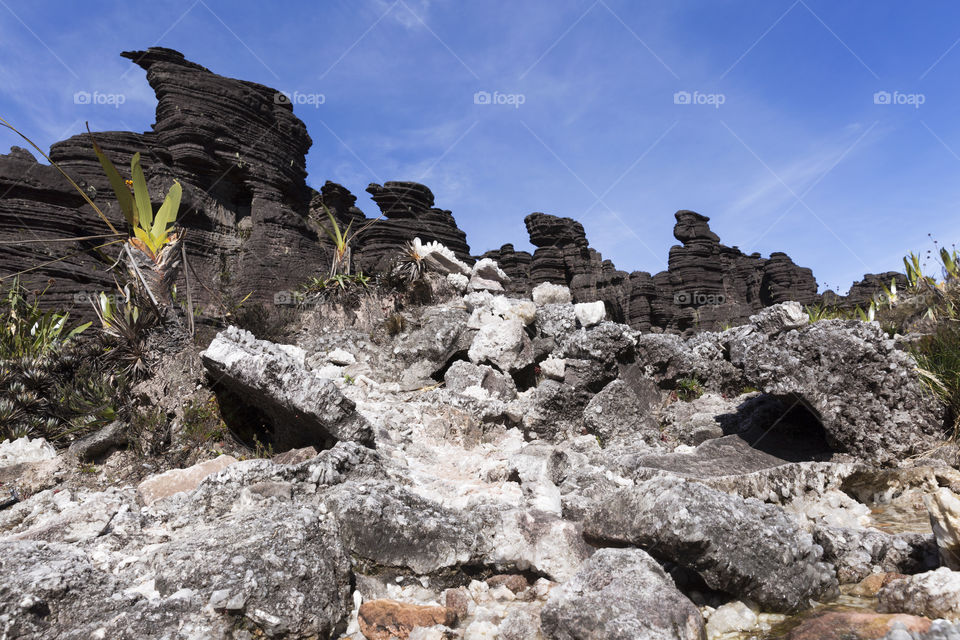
<point x="820" y="312"/>
<point x="938" y="359"/>
<point x="29" y="331"/>
<point x="149" y="432"/>
<point x="261" y="450"/>
<point x="689" y="389"/>
<point x="202" y="422"/>
<point x="339" y="282"/>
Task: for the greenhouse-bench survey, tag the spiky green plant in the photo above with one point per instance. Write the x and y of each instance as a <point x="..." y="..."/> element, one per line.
<point x="127" y="323"/>
<point x="342" y="240"/>
<point x="57" y="396"/>
<point x="153" y="252"/>
<point x="28" y="330"/>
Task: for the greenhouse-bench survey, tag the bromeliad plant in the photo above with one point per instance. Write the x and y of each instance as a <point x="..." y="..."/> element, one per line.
<point x="154" y="251"/>
<point x="342" y="239"/>
<point x="128" y="323"/>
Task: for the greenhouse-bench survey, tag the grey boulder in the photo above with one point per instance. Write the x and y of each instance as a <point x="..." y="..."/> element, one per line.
<point x="742" y="546"/>
<point x="304" y="408"/>
<point x="620" y="594"/>
<point x="850" y="375"/>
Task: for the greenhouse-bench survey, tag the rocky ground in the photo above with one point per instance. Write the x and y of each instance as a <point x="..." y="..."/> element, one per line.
<point x="485" y="466"/>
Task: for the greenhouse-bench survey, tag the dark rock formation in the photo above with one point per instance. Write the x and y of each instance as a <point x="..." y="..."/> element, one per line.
<point x="239" y="154"/>
<point x="408" y="212"/>
<point x="706" y="284"/>
<point x="515" y="264"/>
<point x="862" y="291"/>
<point x="251" y="220"/>
<point x="37" y="205"/>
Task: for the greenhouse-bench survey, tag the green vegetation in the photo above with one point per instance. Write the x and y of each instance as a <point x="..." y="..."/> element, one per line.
<point x="929" y="305"/>
<point x="342" y="239"/>
<point x="59" y="396"/>
<point x="689" y="389"/>
<point x="342" y="282"/>
<point x="202" y="422"/>
<point x="29" y="331"/>
<point x="126" y="325"/>
<point x="149" y="432"/>
<point x="410" y="265"/>
<point x="938" y="359"/>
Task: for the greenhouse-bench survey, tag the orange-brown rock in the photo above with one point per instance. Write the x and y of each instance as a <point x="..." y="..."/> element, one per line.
<point x="513" y="581"/>
<point x="458" y="601"/>
<point x="869" y="586"/>
<point x="854" y="625"/>
<point x="386" y="619"/>
<point x="295" y="456"/>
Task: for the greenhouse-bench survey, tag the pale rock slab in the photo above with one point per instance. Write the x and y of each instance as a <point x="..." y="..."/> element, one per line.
<point x="178" y="480"/>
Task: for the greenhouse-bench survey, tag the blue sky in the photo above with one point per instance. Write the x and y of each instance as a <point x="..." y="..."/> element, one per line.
<point x="782" y="142"/>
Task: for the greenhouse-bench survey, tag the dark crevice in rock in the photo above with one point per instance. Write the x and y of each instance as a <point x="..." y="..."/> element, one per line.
<point x="527" y="377"/>
<point x="246" y="422"/>
<point x="458" y="356"/>
<point x="691" y="584"/>
<point x="792" y="432"/>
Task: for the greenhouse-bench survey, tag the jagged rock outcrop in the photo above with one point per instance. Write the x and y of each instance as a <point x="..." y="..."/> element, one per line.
<point x="238" y="151"/>
<point x="706" y="284"/>
<point x="408" y="213"/>
<point x="854" y="380"/>
<point x="301" y="406"/>
<point x="432" y="487"/>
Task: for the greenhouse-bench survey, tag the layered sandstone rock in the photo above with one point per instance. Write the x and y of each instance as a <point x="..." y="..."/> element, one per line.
<point x="237" y="149"/>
